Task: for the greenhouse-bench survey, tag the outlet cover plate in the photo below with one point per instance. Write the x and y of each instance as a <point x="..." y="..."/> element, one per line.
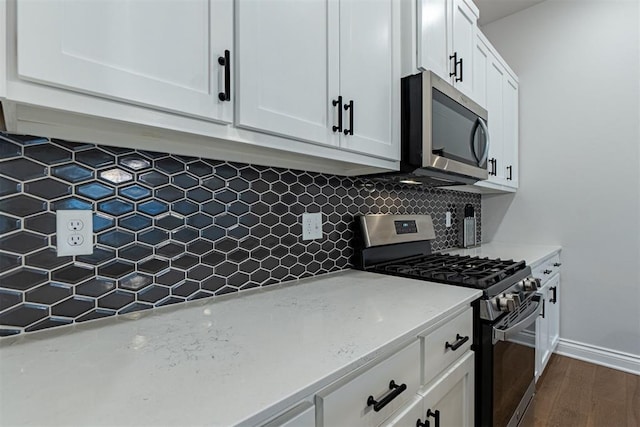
<point x="71" y="223"/>
<point x="311" y="226"/>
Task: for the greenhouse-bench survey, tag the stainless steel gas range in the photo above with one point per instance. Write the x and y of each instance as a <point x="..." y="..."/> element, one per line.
<point x="401" y="245"/>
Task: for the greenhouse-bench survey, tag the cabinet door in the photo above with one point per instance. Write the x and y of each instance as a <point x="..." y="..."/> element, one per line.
<point x="452" y="396"/>
<point x="288" y="67"/>
<point x="480" y="64"/>
<point x="158" y="54"/>
<point x="554" y="313"/>
<point x="495" y="102"/>
<point x="543" y="352"/>
<point x="407" y="416"/>
<point x="369" y="77"/>
<point x="433" y="34"/>
<point x="462" y="43"/>
<point x="510" y="138"/>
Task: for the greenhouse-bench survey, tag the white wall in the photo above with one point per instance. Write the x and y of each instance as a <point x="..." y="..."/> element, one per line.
<point x="578" y="64"/>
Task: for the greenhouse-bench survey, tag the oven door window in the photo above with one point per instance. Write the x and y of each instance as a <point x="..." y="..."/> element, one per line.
<point x="457" y="133"/>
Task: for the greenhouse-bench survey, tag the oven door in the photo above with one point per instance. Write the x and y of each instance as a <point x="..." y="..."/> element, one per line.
<point x="514" y="365"/>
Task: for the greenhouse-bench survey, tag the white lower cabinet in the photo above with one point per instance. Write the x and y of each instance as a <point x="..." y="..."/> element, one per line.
<point x="302" y="415"/>
<point x="366" y="398"/>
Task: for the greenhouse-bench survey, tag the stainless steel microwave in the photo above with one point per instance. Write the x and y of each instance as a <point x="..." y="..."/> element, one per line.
<point x="445" y="137"/>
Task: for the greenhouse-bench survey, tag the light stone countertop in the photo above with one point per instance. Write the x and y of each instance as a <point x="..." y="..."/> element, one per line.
<point x="531" y="254"/>
<point x="237" y="360"/>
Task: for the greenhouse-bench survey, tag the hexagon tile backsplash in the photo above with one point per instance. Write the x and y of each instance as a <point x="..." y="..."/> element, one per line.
<point x="172" y="228"/>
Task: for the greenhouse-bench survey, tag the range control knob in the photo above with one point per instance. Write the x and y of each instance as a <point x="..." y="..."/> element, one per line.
<point x="531" y="284"/>
<point x="508" y="302"/>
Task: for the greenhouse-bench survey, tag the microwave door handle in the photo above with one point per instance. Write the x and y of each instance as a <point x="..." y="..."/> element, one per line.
<point x="472" y="144"/>
<point x="486" y="132"/>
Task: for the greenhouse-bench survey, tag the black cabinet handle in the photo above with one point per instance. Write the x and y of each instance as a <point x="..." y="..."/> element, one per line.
<point x="547" y="272"/>
<point x="554" y="299"/>
<point x="435" y="414"/>
<point x="338" y="102"/>
<point x="225" y="61"/>
<point x="495" y="166"/>
<point x="455" y="64"/>
<point x="543" y="308"/>
<point x="557" y="264"/>
<point x="395" y="392"/>
<point x="349" y="107"/>
<point x="422" y="424"/>
<point x="510" y="169"/>
<point x="458" y="343"/>
<point x="460" y="79"/>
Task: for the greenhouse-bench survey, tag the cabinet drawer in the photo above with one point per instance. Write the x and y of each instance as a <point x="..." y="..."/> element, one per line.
<point x="439" y="348"/>
<point x="547" y="268"/>
<point x="345" y="402"/>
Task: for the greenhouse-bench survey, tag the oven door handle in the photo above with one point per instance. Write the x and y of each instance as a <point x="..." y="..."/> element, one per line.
<point x="529" y="317"/>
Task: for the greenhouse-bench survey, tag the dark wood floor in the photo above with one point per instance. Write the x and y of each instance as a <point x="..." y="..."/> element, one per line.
<point x="575" y="393"/>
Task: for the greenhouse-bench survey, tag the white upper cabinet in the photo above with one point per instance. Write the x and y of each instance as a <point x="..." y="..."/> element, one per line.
<point x="510" y="118"/>
<point x="163" y="54"/>
<point x="445" y="40"/>
<point x="479" y="80"/>
<point x="323" y="71"/>
<point x="495" y="104"/>
<point x="369" y="77"/>
<point x="288" y="68"/>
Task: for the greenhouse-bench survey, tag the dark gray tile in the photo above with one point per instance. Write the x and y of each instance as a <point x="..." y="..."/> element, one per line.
<point x="226" y="196"/>
<point x="9" y="149"/>
<point x="200" y="295"/>
<point x="153" y="236"/>
<point x="47" y="188"/>
<point x="213" y="208"/>
<point x="185" y="289"/>
<point x="8" y="224"/>
<point x="47" y="153"/>
<point x="135" y="222"/>
<point x="22" y="242"/>
<point x="226" y="171"/>
<point x="184" y="181"/>
<point x="95" y="158"/>
<point x="184" y="262"/>
<point x="73" y="146"/>
<point x="153" y="294"/>
<point x="117" y="150"/>
<point x="73" y="307"/>
<point x="213" y="183"/>
<point x="23" y="279"/>
<point x="71" y="203"/>
<point x="199" y="168"/>
<point x="135" y="252"/>
<point x="22" y="205"/>
<point x="115" y="238"/>
<point x="184" y="207"/>
<point x="138" y="306"/>
<point x="170" y="250"/>
<point x="9" y="298"/>
<point x="169" y="222"/>
<point x="9" y="186"/>
<point x="116" y="269"/>
<point x="96" y="287"/>
<point x="44" y="223"/>
<point x="95" y="314"/>
<point x="72" y="274"/>
<point x="153" y="207"/>
<point x="154" y="179"/>
<point x="9" y="262"/>
<point x="116" y="300"/>
<point x="171" y="277"/>
<point x="153" y="266"/>
<point x="47" y="259"/>
<point x="199" y="195"/>
<point x="166" y="301"/>
<point x="169" y="193"/>
<point x="24" y="315"/>
<point x="199" y="246"/>
<point x="99" y="256"/>
<point x="72" y="173"/>
<point x="169" y="165"/>
<point x="213" y="283"/>
<point x="214" y="258"/>
<point x="49" y="293"/>
<point x="23" y="169"/>
<point x="23" y="139"/>
<point x="213" y="233"/>
<point x="102" y="222"/>
<point x="184" y="234"/>
<point x="135" y="282"/>
<point x="200" y="272"/>
<point x="51" y="322"/>
<point x="115" y="207"/>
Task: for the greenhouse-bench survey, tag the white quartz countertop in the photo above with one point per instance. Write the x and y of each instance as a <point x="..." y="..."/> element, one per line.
<point x="531" y="254"/>
<point x="225" y="362"/>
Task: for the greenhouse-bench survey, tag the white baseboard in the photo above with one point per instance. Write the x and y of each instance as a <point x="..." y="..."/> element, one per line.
<point x="599" y="355"/>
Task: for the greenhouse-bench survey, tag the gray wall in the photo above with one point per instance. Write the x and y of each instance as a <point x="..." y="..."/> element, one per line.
<point x="578" y="64"/>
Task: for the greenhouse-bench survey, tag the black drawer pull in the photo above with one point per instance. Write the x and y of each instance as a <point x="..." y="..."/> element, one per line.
<point x="395" y="392"/>
<point x="435" y="414"/>
<point x="557" y="264"/>
<point x="338" y="103"/>
<point x="455" y="64"/>
<point x="225" y="61"/>
<point x="456" y="345"/>
<point x="510" y="169"/>
<point x="554" y="299"/>
<point x="548" y="271"/>
<point x="422" y="424"/>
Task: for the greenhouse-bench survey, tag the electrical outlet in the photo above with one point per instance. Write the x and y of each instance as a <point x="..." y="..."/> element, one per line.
<point x="311" y="226"/>
<point x="74" y="232"/>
